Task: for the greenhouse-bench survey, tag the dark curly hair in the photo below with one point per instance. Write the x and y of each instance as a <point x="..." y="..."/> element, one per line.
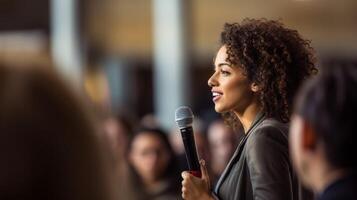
<point x="274" y="57"/>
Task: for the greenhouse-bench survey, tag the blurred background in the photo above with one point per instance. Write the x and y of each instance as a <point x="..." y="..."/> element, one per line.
<point x="142" y="57"/>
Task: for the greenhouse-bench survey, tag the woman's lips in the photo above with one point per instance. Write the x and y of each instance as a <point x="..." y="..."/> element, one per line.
<point x="216" y="96"/>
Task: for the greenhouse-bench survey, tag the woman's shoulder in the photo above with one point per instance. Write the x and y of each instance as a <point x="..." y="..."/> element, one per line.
<point x="269" y="131"/>
<point x="270" y="126"/>
<point x="268" y="142"/>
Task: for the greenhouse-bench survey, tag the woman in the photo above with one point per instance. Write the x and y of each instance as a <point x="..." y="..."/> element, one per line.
<point x="258" y="70"/>
<point x="153" y="165"/>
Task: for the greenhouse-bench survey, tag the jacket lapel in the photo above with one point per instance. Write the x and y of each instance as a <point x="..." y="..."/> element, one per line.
<point x="238" y="152"/>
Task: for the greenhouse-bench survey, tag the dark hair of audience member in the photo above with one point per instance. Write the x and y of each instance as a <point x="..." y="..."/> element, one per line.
<point x="329" y="104"/>
<point x="49" y="144"/>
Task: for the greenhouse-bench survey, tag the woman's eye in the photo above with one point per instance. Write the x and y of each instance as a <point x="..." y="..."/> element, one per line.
<point x="225" y="72"/>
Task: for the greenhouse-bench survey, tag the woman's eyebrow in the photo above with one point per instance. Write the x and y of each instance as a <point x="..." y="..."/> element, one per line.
<point x="221" y="64"/>
<point x="224" y="63"/>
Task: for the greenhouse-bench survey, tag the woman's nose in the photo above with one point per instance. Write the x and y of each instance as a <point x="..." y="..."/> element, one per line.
<point x="212" y="80"/>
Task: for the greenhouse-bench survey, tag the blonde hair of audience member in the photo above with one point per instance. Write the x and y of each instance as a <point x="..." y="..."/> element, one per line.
<point x="49" y="147"/>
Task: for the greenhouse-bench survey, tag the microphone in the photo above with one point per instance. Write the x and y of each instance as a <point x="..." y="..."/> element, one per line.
<point x="184" y="119"/>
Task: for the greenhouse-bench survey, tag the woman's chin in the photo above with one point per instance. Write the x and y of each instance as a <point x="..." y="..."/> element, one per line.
<point x="219" y="109"/>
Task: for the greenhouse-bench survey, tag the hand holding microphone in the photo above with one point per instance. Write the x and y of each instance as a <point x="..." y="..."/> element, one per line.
<point x="195" y="184"/>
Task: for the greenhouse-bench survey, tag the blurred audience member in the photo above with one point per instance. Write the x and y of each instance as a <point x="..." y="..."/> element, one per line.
<point x="323" y="134"/>
<point x="222" y="142"/>
<point x="49" y="147"/>
<point x="150" y="121"/>
<point x="118" y="130"/>
<point x="153" y="165"/>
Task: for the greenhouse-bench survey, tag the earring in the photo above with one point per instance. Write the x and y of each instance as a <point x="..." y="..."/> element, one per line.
<point x="255" y="87"/>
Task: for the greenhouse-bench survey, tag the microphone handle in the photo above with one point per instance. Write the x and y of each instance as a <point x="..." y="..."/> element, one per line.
<point x="188" y="140"/>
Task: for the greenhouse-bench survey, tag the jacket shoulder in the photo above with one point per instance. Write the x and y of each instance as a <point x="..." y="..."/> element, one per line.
<point x="269" y="137"/>
<point x="269" y="129"/>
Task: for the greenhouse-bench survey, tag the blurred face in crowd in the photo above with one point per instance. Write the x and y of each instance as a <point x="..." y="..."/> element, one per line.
<point x="117" y="136"/>
<point x="231" y="90"/>
<point x="303" y="153"/>
<point x="149" y="156"/>
<point x="222" y="142"/>
<point x="201" y="145"/>
<point x="176" y="141"/>
<point x="295" y="141"/>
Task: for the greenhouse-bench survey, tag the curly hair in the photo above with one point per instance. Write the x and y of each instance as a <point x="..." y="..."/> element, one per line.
<point x="274" y="57"/>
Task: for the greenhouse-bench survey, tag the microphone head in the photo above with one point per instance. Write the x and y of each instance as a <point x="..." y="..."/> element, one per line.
<point x="183" y="117"/>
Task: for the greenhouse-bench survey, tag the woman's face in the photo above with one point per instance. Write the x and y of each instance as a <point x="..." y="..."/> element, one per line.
<point x="149" y="157"/>
<point x="231" y="90"/>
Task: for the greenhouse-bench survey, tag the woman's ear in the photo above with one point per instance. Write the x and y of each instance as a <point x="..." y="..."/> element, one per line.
<point x="254" y="87"/>
<point x="309" y="139"/>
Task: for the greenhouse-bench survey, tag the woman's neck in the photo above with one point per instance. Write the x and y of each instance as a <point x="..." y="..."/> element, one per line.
<point x="247" y="116"/>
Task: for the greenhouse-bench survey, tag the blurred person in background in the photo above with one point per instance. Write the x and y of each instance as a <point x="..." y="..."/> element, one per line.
<point x="49" y="146"/>
<point x="153" y="166"/>
<point x="323" y="133"/>
<point x="222" y="143"/>
<point x="117" y="131"/>
<point x="257" y="71"/>
<point x="150" y="121"/>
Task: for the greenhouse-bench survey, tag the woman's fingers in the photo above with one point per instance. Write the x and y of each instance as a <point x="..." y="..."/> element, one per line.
<point x="203" y="169"/>
<point x="193" y="187"/>
<point x="204" y="172"/>
<point x="183" y="194"/>
<point x="186" y="182"/>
